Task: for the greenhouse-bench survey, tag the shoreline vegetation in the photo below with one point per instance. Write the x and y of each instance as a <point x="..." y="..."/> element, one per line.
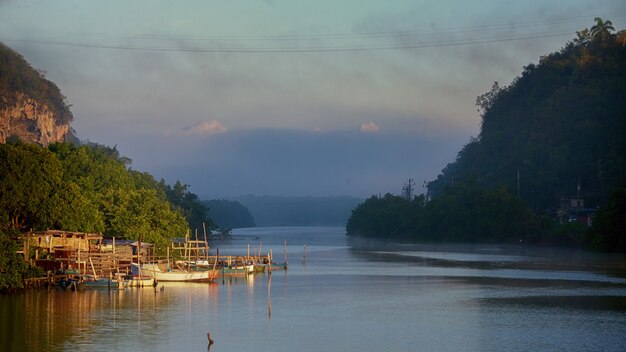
<point x="90" y="189"/>
<point x="548" y="167"/>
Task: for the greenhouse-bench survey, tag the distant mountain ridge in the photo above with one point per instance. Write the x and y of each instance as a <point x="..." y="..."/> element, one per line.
<point x="32" y="108"/>
<point x="549" y="162"/>
<point x="299" y="211"/>
<point x="556" y="132"/>
<point x="229" y="214"/>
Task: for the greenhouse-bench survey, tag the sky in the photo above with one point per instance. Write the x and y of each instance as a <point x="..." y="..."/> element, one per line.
<point x="287" y="97"/>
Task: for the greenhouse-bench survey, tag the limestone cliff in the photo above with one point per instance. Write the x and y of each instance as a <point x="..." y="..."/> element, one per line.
<point x="32" y="122"/>
<point x="31" y="107"/>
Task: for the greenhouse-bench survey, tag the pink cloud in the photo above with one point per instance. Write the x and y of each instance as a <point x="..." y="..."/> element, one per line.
<point x="369" y="127"/>
<point x="204" y="128"/>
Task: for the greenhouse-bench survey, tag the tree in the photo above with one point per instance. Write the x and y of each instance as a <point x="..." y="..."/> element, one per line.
<point x="485" y="101"/>
<point x="12" y="265"/>
<point x="407" y="190"/>
<point x="602" y="29"/>
<point x="608" y="232"/>
<point x="188" y="205"/>
<point x="30" y="176"/>
<point x="131" y="214"/>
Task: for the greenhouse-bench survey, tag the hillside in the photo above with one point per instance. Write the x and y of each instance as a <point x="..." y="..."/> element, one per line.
<point x="554" y="136"/>
<point x="560" y="125"/>
<point x="46" y="183"/>
<point x="299" y="211"/>
<point x="228" y="214"/>
<point x="31" y="107"/>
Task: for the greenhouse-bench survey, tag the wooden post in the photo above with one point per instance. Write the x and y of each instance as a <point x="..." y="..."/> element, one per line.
<point x="95" y="276"/>
<point x="78" y="258"/>
<point x="304" y="255"/>
<point x="285" y="250"/>
<point x="186" y="249"/>
<point x="25" y="249"/>
<point x="206" y="244"/>
<point x="197" y="254"/>
<point x="269" y="301"/>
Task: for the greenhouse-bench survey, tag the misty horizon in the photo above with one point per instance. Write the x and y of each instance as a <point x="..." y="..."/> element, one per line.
<point x="273" y="98"/>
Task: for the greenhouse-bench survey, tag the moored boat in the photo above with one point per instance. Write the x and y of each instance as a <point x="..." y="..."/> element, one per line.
<point x="104" y="282"/>
<point x="276" y="266"/>
<point x="165" y="274"/>
<point x="236" y="270"/>
<point x="140" y="281"/>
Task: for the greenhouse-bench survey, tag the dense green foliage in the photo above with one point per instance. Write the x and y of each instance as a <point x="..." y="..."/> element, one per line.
<point x="87" y="189"/>
<point x="463" y="213"/>
<point x="229" y="214"/>
<point x="557" y="131"/>
<point x="17" y="76"/>
<point x="188" y="204"/>
<point x="609" y="226"/>
<point x="560" y="124"/>
<point x="12" y="265"/>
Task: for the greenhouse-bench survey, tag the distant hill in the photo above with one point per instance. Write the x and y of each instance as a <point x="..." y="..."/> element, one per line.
<point x="560" y="125"/>
<point x="299" y="211"/>
<point x="31" y="107"/>
<point x="229" y="214"/>
<point x="556" y="133"/>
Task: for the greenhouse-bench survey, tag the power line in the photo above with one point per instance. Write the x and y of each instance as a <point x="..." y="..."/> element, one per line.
<point x="311" y="43"/>
<point x="295" y="50"/>
<point x="335" y="36"/>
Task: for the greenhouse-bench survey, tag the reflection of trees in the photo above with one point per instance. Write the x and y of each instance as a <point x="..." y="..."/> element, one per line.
<point x="56" y="319"/>
<point x="47" y="320"/>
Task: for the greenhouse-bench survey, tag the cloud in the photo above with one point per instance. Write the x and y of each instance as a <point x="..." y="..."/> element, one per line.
<point x="369" y="127"/>
<point x="204" y="128"/>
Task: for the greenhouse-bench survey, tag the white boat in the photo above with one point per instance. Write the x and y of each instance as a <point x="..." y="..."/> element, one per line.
<point x="140" y="281"/>
<point x="163" y="274"/>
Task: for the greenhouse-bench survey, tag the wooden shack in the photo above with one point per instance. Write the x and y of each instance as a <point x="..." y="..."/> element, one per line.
<point x="52" y="241"/>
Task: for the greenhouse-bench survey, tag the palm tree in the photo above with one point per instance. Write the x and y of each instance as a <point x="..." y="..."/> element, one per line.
<point x="602" y="29"/>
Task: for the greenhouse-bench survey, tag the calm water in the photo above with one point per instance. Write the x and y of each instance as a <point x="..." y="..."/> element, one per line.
<point x="346" y="296"/>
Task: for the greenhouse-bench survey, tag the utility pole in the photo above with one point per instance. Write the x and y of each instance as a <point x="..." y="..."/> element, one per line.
<point x="518" y="184"/>
<point x="407" y="190"/>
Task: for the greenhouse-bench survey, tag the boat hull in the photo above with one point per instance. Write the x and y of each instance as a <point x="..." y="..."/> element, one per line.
<point x="154" y="271"/>
<point x="236" y="270"/>
<point x="141" y="281"/>
<point x="119" y="284"/>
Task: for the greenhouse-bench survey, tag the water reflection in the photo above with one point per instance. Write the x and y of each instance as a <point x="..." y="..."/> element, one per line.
<point x="347" y="297"/>
<point x="607" y="303"/>
<point x="51" y="319"/>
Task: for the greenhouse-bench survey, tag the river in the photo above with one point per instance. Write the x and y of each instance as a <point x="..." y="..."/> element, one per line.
<point x="346" y="295"/>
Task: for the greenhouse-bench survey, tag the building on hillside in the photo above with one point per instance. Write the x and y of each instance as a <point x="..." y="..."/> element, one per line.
<point x="573" y="210"/>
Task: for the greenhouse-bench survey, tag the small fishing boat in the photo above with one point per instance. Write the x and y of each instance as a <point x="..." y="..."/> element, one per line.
<point x="276" y="266"/>
<point x="259" y="268"/>
<point x="236" y="270"/>
<point x="165" y="274"/>
<point x="140" y="281"/>
<point x="116" y="282"/>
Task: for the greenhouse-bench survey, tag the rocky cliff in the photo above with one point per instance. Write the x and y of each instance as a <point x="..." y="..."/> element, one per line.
<point x="32" y="122"/>
<point x="31" y="107"/>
